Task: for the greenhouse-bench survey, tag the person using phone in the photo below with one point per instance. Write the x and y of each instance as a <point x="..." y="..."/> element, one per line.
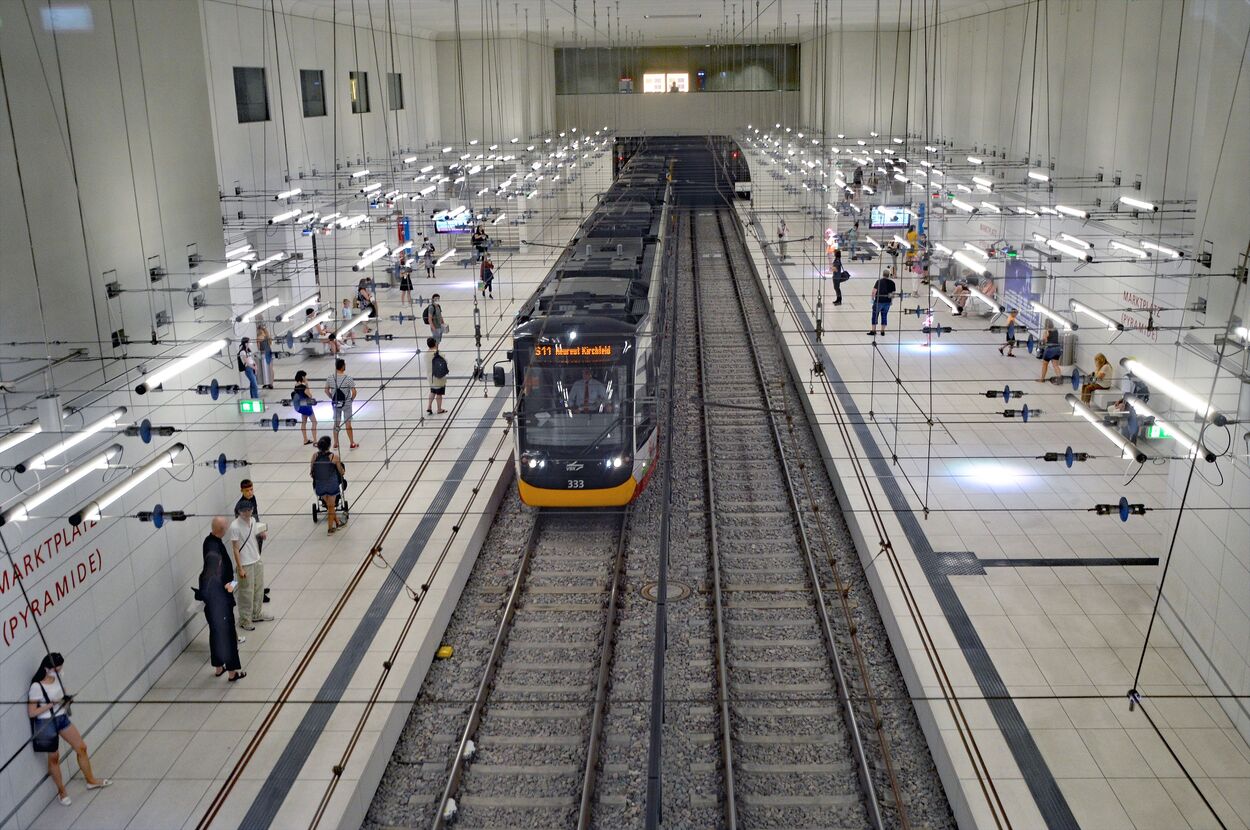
<point x="47" y="707"/>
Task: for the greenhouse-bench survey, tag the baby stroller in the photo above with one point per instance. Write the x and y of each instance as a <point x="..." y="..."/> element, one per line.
<point x="341" y="507"/>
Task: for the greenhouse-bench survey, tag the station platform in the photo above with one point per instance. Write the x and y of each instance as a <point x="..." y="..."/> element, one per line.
<point x="330" y="681"/>
<point x="1017" y="615"/>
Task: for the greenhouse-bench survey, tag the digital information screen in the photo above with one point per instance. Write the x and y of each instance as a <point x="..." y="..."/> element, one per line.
<point x="583" y="353"/>
<point x="462" y="223"/>
<point x="889" y="216"/>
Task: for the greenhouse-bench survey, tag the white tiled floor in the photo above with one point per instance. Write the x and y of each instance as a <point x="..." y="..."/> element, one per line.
<point x="171" y="753"/>
<point x="1064" y="640"/>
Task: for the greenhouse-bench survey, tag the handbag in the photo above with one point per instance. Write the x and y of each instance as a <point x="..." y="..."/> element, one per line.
<point x="43" y="734"/>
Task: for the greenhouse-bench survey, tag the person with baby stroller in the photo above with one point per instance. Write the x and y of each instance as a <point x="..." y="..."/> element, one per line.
<point x="326" y="470"/>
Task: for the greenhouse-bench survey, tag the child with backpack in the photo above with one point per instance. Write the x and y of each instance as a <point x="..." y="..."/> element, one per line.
<point x="437" y="377"/>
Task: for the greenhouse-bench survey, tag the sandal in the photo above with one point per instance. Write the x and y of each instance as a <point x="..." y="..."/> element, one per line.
<point x="65" y="800"/>
<point x="354" y="446"/>
<point x="101" y="784"/>
<point x="307" y="442"/>
<point x="219" y="672"/>
<point x="237" y="676"/>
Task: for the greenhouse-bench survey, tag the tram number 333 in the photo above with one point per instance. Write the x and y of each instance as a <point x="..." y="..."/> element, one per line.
<point x="577" y="484"/>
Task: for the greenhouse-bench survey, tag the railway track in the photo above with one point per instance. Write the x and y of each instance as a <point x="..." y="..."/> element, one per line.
<point x="792" y="748"/>
<point x="529" y="750"/>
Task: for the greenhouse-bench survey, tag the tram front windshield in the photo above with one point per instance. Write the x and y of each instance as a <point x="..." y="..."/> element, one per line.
<point x="572" y="407"/>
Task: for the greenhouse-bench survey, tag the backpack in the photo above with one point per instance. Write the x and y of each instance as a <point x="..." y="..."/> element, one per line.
<point x="425" y="315"/>
<point x="438" y="365"/>
<point x="239" y="358"/>
<point x="340" y="397"/>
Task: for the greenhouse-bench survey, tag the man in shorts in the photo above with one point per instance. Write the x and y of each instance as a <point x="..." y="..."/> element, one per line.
<point x="341" y="390"/>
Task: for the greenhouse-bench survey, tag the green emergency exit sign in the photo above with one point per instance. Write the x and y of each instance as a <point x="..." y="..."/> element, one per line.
<point x="251" y="406"/>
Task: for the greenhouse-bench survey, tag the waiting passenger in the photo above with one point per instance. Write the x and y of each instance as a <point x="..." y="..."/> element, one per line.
<point x="588" y="394"/>
<point x="48" y="708"/>
<point x="216" y="590"/>
<point x="302" y="401"/>
<point x="438" y="372"/>
<point x="1099" y="381"/>
<point x="882" y="296"/>
<point x="1049" y="350"/>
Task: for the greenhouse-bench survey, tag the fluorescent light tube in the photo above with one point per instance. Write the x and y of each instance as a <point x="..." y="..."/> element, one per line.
<point x="427" y="168"/>
<point x="977" y="294"/>
<point x="239" y="252"/>
<point x="19" y="435"/>
<point x="873" y="242"/>
<point x="897" y="140"/>
<point x="312" y="322"/>
<point x="20" y="511"/>
<point x="1192" y="446"/>
<point x="942" y="248"/>
<point x="1058" y="318"/>
<point x="288" y="194"/>
<point x="369" y="188"/>
<point x="901" y="241"/>
<point x="975" y="160"/>
<point x="426" y="191"/>
<point x="1138" y="204"/>
<point x="284" y="217"/>
<point x="1075" y="240"/>
<point x="1049" y="211"/>
<point x="450" y="252"/>
<point x="937" y="292"/>
<point x="899" y="177"/>
<point x="970" y="263"/>
<point x="1168" y="252"/>
<point x="229" y="270"/>
<point x="984" y="182"/>
<point x="1038" y="176"/>
<point x="963" y="187"/>
<point x="360" y="174"/>
<point x="410" y="159"/>
<point x="308" y="217"/>
<point x="962" y="205"/>
<point x="370" y="258"/>
<point x="407" y="246"/>
<point x="499" y="218"/>
<point x="178" y="365"/>
<point x="989" y="206"/>
<point x="351" y="324"/>
<point x="1128" y="249"/>
<point x="931" y="149"/>
<point x="381" y="246"/>
<point x="1023" y="211"/>
<point x="281" y="256"/>
<point x="93" y="510"/>
<point x="39" y="461"/>
<point x="253" y="312"/>
<point x="1065" y="248"/>
<point x="1127" y="448"/>
<point x="979" y="251"/>
<point x="308" y="302"/>
<point x="1071" y="211"/>
<point x="1179" y="394"/>
<point x="1078" y="307"/>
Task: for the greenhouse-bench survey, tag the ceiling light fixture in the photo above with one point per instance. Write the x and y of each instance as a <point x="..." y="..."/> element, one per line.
<point x="39" y="461"/>
<point x="1179" y="394"/>
<point x="1077" y="307"/>
<point x="178" y="365"/>
<point x="308" y="302"/>
<point x="229" y="270"/>
<point x="1127" y="448"/>
<point x="253" y="312"/>
<point x="1071" y="211"/>
<point x="312" y="322"/>
<point x="93" y="510"/>
<point x="20" y="511"/>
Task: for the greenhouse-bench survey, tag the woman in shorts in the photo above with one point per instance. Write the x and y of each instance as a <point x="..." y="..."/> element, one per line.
<point x="48" y="708"/>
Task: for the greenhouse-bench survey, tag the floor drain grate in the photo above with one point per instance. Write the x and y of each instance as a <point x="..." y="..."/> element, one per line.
<point x="676" y="591"/>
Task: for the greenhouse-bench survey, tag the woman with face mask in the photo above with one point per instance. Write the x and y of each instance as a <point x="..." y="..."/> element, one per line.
<point x="48" y="708"/>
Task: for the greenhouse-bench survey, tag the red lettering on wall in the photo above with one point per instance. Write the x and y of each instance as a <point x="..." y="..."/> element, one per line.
<point x="69" y="582"/>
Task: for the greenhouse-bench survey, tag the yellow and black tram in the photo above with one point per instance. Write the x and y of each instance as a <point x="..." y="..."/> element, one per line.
<point x="586" y="351"/>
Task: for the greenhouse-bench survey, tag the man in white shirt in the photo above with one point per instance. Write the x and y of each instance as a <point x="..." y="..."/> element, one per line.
<point x="249" y="596"/>
<point x="587" y="394"/>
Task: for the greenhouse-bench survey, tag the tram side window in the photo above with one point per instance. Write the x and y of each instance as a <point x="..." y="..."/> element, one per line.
<point x="644" y="402"/>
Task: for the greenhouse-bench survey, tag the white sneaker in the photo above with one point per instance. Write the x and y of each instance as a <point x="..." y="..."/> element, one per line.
<point x="65" y="800"/>
<point x="242" y="640"/>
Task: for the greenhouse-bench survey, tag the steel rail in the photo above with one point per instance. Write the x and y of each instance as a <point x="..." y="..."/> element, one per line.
<point x="594" y="741"/>
<point x="809" y="559"/>
<point x="718" y="618"/>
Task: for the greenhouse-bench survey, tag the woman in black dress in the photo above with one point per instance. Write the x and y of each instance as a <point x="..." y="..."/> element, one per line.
<point x="223" y="643"/>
